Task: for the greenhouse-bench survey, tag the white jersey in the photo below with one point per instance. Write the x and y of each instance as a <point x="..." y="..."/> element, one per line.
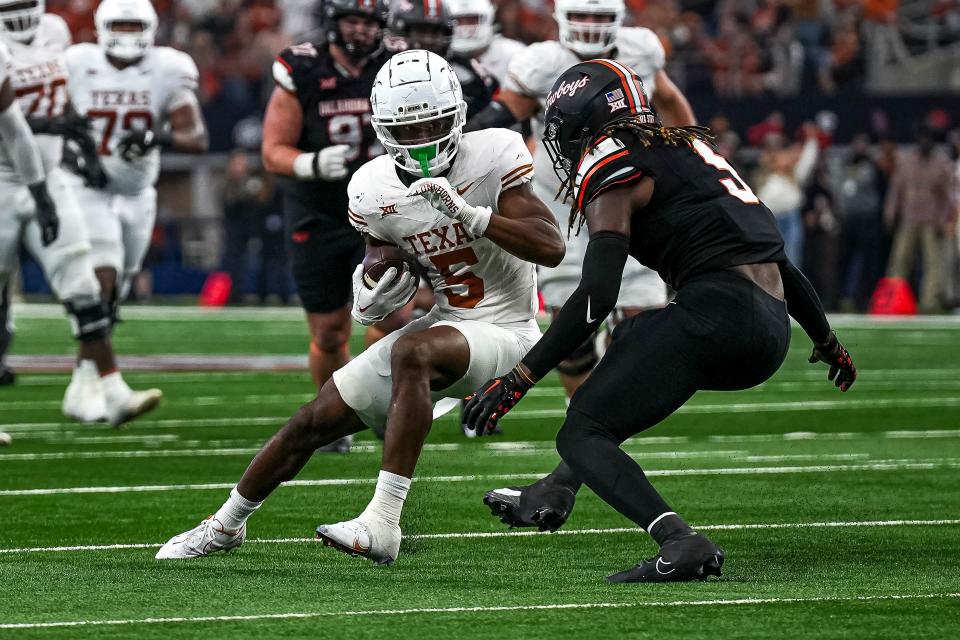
<point x="119" y="101"/>
<point x="496" y="57"/>
<point x="39" y="78"/>
<point x="533" y="71"/>
<point x="498" y="288"/>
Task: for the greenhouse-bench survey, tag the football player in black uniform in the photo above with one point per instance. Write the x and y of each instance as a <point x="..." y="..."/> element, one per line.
<point x="428" y="25"/>
<point x="666" y="197"/>
<point x="317" y="131"/>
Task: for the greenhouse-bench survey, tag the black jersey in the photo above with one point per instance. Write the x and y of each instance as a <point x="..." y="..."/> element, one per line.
<point x="477" y="83"/>
<point x="336" y="110"/>
<point x="702" y="215"/>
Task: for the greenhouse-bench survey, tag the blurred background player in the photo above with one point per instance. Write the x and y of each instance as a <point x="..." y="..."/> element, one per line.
<point x="7" y="376"/>
<point x="587" y="29"/>
<point x="138" y="99"/>
<point x="475" y="37"/>
<point x="317" y="131"/>
<point x="38" y="77"/>
<point x="429" y="25"/>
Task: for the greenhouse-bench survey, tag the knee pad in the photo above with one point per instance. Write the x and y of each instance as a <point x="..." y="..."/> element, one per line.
<point x="74" y="282"/>
<point x="90" y="322"/>
<point x="582" y="360"/>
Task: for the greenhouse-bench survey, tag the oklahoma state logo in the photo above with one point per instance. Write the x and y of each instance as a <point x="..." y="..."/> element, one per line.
<point x="387" y="210"/>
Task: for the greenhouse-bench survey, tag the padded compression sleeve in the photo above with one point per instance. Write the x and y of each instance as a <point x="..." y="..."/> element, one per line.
<point x="587" y="307"/>
<point x="803" y="303"/>
<point x="20" y="144"/>
<point x="494" y="116"/>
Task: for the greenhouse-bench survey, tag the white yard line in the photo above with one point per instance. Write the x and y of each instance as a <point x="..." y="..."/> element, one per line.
<point x="877" y="465"/>
<point x="371" y="448"/>
<point x="526" y="533"/>
<point x="492" y="609"/>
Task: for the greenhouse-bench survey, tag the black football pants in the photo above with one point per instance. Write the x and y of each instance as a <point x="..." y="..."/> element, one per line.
<point x="721" y="332"/>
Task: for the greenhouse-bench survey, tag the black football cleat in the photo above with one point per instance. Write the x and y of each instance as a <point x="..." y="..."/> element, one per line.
<point x="685" y="559"/>
<point x="543" y="505"/>
<point x="7" y="376"/>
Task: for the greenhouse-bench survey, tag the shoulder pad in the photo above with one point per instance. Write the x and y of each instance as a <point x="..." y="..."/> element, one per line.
<point x="607" y="165"/>
<point x="533" y="70"/>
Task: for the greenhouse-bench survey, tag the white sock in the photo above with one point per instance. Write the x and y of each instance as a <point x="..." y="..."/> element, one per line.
<point x="388" y="497"/>
<point x="235" y="511"/>
<point x="114" y="386"/>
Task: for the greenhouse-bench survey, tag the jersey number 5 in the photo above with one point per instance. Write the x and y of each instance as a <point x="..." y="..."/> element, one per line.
<point x="735" y="184"/>
<point x="474" y="284"/>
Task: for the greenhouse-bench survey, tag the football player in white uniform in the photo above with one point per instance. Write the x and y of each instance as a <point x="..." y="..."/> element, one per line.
<point x="475" y="36"/>
<point x="130" y="91"/>
<point x="34" y="71"/>
<point x="587" y="29"/>
<point x="462" y="207"/>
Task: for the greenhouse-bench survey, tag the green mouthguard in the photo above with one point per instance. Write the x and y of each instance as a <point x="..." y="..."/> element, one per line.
<point x="424" y="155"/>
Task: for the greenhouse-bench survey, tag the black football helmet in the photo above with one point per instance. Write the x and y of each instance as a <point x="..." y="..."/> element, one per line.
<point x="333" y="10"/>
<point x="584" y="100"/>
<point x="422" y="24"/>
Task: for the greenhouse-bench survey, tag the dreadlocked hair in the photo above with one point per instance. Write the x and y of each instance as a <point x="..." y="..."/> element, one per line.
<point x="646" y="134"/>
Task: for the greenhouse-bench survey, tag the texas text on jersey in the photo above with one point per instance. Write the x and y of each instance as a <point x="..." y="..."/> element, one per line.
<point x="336" y="111"/>
<point x="498" y="287"/>
<point x="118" y="101"/>
<point x="39" y="78"/>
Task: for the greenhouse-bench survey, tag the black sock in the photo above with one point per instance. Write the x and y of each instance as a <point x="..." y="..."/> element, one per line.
<point x="5" y="335"/>
<point x="564" y="476"/>
<point x="668" y="526"/>
<point x="594" y="454"/>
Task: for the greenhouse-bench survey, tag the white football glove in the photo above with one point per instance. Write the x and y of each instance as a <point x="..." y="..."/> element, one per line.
<point x="444" y="198"/>
<point x="327" y="164"/>
<point x="373" y="305"/>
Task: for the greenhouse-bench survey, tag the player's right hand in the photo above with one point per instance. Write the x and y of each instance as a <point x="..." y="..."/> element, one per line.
<point x="488" y="404"/>
<point x="331" y="163"/>
<point x="391" y="293"/>
<point x="46" y="213"/>
<point x="842" y="370"/>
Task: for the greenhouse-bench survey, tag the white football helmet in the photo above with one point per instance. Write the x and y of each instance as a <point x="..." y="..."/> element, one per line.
<point x="418" y="111"/>
<point x="20" y="19"/>
<point x="588" y="38"/>
<point x="468" y="38"/>
<point x="126" y="45"/>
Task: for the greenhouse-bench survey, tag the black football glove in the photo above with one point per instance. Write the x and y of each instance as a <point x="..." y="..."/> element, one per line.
<point x="487" y="405"/>
<point x="842" y="371"/>
<point x="70" y="125"/>
<point x="136" y="144"/>
<point x="46" y="213"/>
<point x="84" y="161"/>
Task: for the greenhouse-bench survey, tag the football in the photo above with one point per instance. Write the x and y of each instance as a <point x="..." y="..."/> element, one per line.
<point x="380" y="258"/>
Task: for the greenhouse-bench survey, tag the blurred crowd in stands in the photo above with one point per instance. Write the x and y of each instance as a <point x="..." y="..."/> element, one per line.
<point x="850" y="212"/>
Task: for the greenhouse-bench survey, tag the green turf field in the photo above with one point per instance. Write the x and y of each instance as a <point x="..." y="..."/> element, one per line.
<point x="840" y="513"/>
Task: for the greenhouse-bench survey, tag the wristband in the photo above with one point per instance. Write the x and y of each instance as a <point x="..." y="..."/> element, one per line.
<point x="475" y="219"/>
<point x="305" y="166"/>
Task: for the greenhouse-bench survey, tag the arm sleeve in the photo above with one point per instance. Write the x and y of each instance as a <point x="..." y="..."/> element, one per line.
<point x="803" y="303"/>
<point x="20" y="145"/>
<point x="587" y="307"/>
<point x="807" y="161"/>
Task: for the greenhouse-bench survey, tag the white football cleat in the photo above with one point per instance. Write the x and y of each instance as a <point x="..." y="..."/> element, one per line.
<point x="375" y="540"/>
<point x="207" y="537"/>
<point x="84" y="399"/>
<point x="133" y="405"/>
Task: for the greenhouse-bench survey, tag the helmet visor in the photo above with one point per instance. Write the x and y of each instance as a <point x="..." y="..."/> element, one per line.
<point x="421" y="133"/>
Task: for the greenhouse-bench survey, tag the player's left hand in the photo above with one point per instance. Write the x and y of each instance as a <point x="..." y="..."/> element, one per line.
<point x="444" y="198"/>
<point x="137" y="143"/>
<point x="843" y="373"/>
<point x="488" y="404"/>
<point x="46" y="213"/>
